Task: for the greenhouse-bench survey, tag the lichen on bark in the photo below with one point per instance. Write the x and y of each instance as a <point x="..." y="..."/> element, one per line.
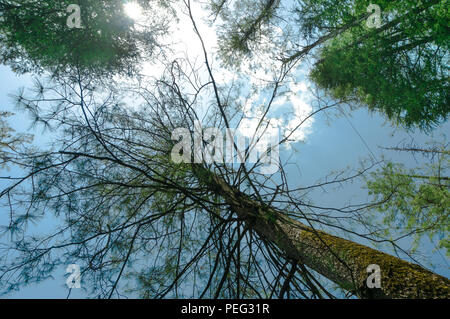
<point x="340" y="260"/>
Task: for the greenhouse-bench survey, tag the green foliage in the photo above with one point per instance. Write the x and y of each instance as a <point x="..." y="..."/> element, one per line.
<point x="412" y="202"/>
<point x="400" y="69"/>
<point x="245" y="23"/>
<point x="34" y="35"/>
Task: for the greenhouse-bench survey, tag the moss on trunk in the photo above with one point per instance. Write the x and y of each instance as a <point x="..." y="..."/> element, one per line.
<point x="342" y="261"/>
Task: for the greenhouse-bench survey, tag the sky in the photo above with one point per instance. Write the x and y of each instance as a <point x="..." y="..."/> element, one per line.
<point x="322" y="145"/>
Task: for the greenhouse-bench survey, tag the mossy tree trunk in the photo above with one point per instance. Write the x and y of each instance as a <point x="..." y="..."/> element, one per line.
<point x="342" y="261"/>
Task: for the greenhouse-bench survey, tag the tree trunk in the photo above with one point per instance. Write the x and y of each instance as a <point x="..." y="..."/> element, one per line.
<point x="341" y="261"/>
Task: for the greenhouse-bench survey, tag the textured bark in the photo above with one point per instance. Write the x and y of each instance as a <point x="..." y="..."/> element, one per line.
<point x="340" y="260"/>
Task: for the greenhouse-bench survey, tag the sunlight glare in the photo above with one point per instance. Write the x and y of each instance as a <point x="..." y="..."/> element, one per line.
<point x="133" y="10"/>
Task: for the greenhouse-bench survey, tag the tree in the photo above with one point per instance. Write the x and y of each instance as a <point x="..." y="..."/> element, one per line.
<point x="36" y="35"/>
<point x="399" y="68"/>
<point x="206" y="229"/>
<point x="416" y="200"/>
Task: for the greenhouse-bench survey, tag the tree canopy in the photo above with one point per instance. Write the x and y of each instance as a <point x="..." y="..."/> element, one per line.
<point x="36" y="35"/>
<point x="399" y="68"/>
<point x="417" y="198"/>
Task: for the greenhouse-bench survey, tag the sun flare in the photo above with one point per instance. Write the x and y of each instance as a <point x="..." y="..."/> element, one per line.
<point x="133" y="10"/>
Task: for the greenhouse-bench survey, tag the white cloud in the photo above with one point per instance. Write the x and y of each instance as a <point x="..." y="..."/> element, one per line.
<point x="287" y="111"/>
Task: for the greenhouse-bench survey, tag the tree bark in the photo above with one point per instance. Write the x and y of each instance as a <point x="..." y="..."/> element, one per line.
<point x="342" y="261"/>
